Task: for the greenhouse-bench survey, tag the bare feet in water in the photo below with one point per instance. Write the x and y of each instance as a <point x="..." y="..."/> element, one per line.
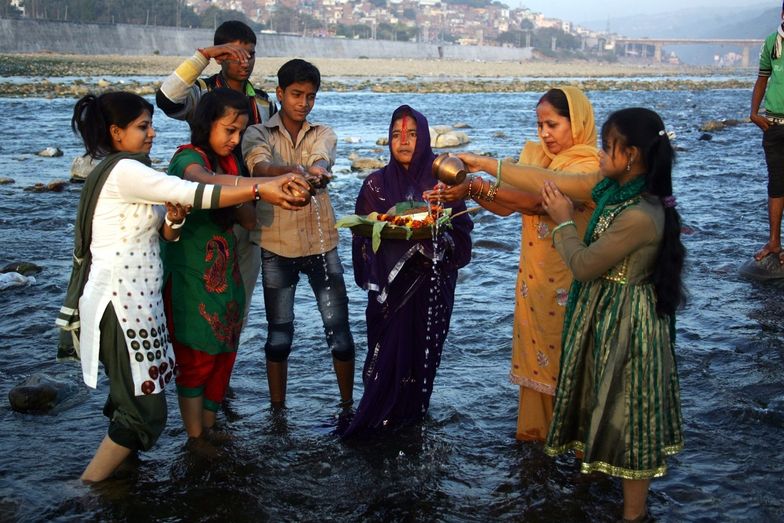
<point x="767" y="249"/>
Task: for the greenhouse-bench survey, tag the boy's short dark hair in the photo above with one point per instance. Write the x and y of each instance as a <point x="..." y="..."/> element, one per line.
<point x="298" y="70"/>
<point x="234" y="31"/>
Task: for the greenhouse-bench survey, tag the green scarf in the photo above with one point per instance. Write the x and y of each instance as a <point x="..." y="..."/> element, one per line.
<point x="68" y="318"/>
<point x="606" y="192"/>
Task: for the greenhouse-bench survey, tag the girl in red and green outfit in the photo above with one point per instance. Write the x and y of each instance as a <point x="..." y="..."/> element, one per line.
<point x="204" y="294"/>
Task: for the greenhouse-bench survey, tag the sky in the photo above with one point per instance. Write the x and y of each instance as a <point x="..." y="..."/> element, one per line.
<point x="590" y="10"/>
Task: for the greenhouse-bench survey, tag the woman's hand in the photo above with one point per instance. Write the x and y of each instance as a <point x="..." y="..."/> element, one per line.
<point x="176" y="212"/>
<point x="446" y="193"/>
<point x="557" y="205"/>
<point x="289" y="191"/>
<point x="474" y="162"/>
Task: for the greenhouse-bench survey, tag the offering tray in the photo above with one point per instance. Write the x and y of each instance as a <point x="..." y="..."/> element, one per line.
<point x="405" y="221"/>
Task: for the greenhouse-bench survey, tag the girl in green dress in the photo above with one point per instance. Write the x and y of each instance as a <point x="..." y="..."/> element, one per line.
<point x="618" y="400"/>
<point x="204" y="294"/>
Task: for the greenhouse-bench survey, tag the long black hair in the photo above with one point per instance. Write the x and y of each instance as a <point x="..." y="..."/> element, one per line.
<point x="644" y="129"/>
<point x="212" y="106"/>
<point x="93" y="117"/>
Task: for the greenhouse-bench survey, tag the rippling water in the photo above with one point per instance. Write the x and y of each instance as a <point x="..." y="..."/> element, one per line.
<point x="463" y="463"/>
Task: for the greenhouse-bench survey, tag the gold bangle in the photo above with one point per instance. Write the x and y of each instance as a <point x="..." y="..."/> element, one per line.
<point x="491" y="193"/>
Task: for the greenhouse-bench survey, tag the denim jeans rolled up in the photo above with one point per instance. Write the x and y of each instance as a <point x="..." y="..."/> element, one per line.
<point x="280" y="276"/>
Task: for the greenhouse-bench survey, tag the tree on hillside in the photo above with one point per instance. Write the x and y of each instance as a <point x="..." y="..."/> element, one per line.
<point x="152" y="12"/>
<point x="354" y="31"/>
<point x="398" y="32"/>
<point x="212" y="17"/>
<point x="543" y="39"/>
<point x="287" y="20"/>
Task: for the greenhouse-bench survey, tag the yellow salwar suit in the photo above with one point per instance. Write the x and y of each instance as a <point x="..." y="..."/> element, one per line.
<point x="543" y="279"/>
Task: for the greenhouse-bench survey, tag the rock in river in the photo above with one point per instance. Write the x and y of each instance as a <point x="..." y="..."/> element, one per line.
<point x="50" y="152"/>
<point x="40" y="393"/>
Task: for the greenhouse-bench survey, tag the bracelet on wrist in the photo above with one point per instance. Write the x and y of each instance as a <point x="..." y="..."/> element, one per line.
<point x="470" y="181"/>
<point x="561" y="226"/>
<point x="173" y="225"/>
<point x="256" y="195"/>
<point x="497" y="176"/>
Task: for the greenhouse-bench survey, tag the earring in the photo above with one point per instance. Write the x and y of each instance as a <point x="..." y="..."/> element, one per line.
<point x="629" y="165"/>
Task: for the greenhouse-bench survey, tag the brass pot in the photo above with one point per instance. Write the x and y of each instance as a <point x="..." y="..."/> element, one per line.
<point x="449" y="169"/>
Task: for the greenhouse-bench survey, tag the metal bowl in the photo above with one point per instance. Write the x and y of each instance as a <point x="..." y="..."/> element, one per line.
<point x="449" y="169"/>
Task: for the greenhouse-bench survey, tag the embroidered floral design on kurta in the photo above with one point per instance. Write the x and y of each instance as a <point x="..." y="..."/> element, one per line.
<point x="226" y="329"/>
<point x="217" y="251"/>
<point x="542" y="230"/>
<point x="561" y="296"/>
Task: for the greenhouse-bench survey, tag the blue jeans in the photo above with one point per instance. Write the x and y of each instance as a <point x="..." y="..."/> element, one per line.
<point x="279" y="276"/>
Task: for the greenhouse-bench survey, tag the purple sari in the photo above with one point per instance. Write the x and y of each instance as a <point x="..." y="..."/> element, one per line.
<point x="411" y="289"/>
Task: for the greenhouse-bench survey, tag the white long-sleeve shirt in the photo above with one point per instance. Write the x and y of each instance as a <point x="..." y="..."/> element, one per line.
<point x="126" y="269"/>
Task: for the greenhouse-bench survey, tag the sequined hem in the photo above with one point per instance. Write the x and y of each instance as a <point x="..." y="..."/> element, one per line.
<point x="612" y="470"/>
<point x="531" y="384"/>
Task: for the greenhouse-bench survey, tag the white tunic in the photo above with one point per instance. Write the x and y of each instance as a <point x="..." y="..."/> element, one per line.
<point x="126" y="270"/>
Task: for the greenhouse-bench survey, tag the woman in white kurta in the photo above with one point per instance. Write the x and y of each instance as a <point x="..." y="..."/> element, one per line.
<point x="114" y="296"/>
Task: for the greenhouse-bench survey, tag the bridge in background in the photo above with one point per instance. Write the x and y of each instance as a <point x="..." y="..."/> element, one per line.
<point x="644" y="46"/>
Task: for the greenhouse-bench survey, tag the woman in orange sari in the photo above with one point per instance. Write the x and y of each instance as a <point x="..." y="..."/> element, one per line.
<point x="567" y="143"/>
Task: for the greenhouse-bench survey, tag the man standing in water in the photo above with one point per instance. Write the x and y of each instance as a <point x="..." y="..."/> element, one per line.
<point x="770" y="86"/>
<point x="299" y="242"/>
<point x="235" y="50"/>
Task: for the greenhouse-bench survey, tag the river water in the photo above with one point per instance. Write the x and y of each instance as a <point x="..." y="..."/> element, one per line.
<point x="462" y="463"/>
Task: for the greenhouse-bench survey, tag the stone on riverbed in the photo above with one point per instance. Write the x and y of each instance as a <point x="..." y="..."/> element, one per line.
<point x="444" y="136"/>
<point x="766" y="269"/>
<point x="364" y="164"/>
<point x="23" y="268"/>
<point x="81" y="167"/>
<point x="53" y="186"/>
<point x="40" y="393"/>
<point x="9" y="280"/>
<point x="718" y="125"/>
<point x="50" y="152"/>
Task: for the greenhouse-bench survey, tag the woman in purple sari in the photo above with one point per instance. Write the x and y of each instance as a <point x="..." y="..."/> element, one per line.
<point x="410" y="284"/>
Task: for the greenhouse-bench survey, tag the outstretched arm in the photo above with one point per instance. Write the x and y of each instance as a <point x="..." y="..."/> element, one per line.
<point x="531" y="179"/>
<point x="506" y="201"/>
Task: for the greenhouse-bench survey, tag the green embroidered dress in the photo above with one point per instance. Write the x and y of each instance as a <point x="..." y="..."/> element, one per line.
<point x="207" y="295"/>
<point x="618" y="399"/>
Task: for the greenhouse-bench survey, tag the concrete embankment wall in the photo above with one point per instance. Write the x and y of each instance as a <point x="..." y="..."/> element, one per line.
<point x="30" y="36"/>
